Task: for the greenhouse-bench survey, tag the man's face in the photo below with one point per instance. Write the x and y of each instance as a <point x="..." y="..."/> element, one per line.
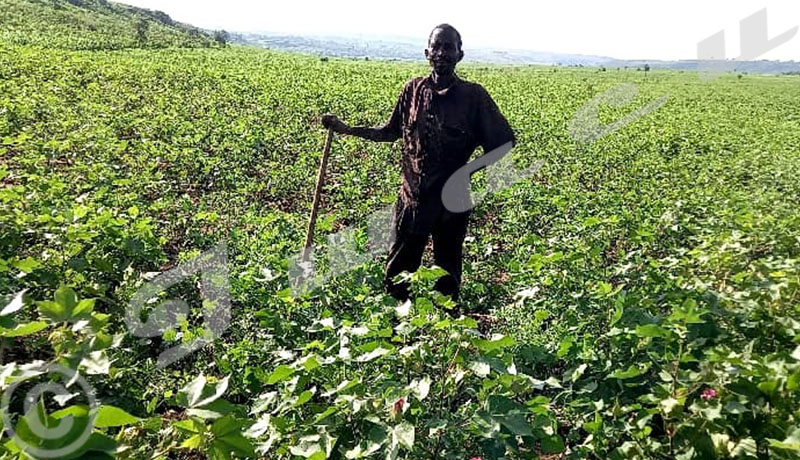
<point x="443" y="51"/>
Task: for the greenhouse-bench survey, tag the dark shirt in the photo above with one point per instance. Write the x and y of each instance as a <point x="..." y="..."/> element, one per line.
<point x="440" y="131"/>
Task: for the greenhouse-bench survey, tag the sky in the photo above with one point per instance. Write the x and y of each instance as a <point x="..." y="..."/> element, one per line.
<point x="616" y="28"/>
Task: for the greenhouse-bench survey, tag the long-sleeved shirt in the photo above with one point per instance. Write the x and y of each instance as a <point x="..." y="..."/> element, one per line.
<point x="440" y="130"/>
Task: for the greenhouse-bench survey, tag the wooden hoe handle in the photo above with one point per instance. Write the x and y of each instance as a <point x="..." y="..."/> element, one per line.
<point x="312" y="220"/>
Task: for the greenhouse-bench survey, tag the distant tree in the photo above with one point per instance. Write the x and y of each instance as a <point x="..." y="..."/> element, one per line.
<point x="162" y="17"/>
<point x="142" y="26"/>
<point x="647" y="67"/>
<point x="222" y="37"/>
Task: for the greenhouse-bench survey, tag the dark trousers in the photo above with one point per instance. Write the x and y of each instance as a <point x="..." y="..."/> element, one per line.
<point x="405" y="253"/>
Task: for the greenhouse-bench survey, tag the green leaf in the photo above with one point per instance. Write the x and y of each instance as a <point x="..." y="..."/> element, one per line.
<point x="565" y="346"/>
<point x="404" y="434"/>
<point x="480" y="368"/>
<point x="509" y="414"/>
<point x="191" y="426"/>
<point x="429" y="274"/>
<point x="67" y="298"/>
<point x="96" y="363"/>
<point x="769" y="387"/>
<point x="193" y="442"/>
<point x="591" y="221"/>
<point x="325" y="414"/>
<point x="280" y="374"/>
<point x="24" y="329"/>
<point x="194" y="390"/>
<point x="205" y="414"/>
<point x="578" y="372"/>
<point x="515" y="423"/>
<point x="225" y="426"/>
<point x="343" y="386"/>
<point x="306" y="446"/>
<point x="219" y="451"/>
<point x="553" y="444"/>
<point x="630" y="373"/>
<point x="496" y="342"/>
<point x="619" y="310"/>
<point x="603" y="289"/>
<point x="110" y="416"/>
<point x="78" y="424"/>
<point x="303" y="398"/>
<point x="688" y="313"/>
<point x="651" y="330"/>
<point x="372" y="355"/>
<point x="66" y="306"/>
<point x="83" y="308"/>
<point x="310" y="363"/>
<point x="53" y="311"/>
<point x="420" y="387"/>
<point x="668" y="405"/>
<point x="791" y="443"/>
<point x="793" y="382"/>
<point x="746" y="448"/>
<point x="238" y="444"/>
<point x="27" y="265"/>
<point x="486" y="425"/>
<point x="221" y="388"/>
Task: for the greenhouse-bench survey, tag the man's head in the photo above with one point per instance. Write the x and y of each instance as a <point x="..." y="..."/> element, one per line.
<point x="444" y="49"/>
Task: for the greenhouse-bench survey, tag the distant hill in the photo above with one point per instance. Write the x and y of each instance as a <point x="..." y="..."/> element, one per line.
<point x="93" y="24"/>
<point x="408" y="50"/>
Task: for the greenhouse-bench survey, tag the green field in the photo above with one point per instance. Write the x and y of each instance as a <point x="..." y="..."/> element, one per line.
<point x="636" y="299"/>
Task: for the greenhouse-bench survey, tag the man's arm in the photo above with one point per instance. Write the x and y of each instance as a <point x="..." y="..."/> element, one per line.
<point x="382" y="134"/>
<point x="389" y="132"/>
<point x="386" y="133"/>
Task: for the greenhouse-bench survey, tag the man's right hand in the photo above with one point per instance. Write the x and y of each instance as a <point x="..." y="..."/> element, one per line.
<point x="333" y="122"/>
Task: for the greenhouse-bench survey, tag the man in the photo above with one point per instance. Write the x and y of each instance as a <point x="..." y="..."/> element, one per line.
<point x="442" y="119"/>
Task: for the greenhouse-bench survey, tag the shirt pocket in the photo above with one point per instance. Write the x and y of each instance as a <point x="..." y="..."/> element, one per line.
<point x="455" y="137"/>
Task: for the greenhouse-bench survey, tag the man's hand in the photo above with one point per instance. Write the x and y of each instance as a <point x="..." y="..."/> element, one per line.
<point x="333" y="122"/>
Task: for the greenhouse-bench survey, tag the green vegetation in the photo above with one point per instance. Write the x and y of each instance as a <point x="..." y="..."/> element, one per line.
<point x="643" y="289"/>
<point x="93" y="25"/>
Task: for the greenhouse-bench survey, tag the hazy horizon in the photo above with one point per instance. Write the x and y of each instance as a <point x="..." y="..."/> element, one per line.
<point x="622" y="30"/>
